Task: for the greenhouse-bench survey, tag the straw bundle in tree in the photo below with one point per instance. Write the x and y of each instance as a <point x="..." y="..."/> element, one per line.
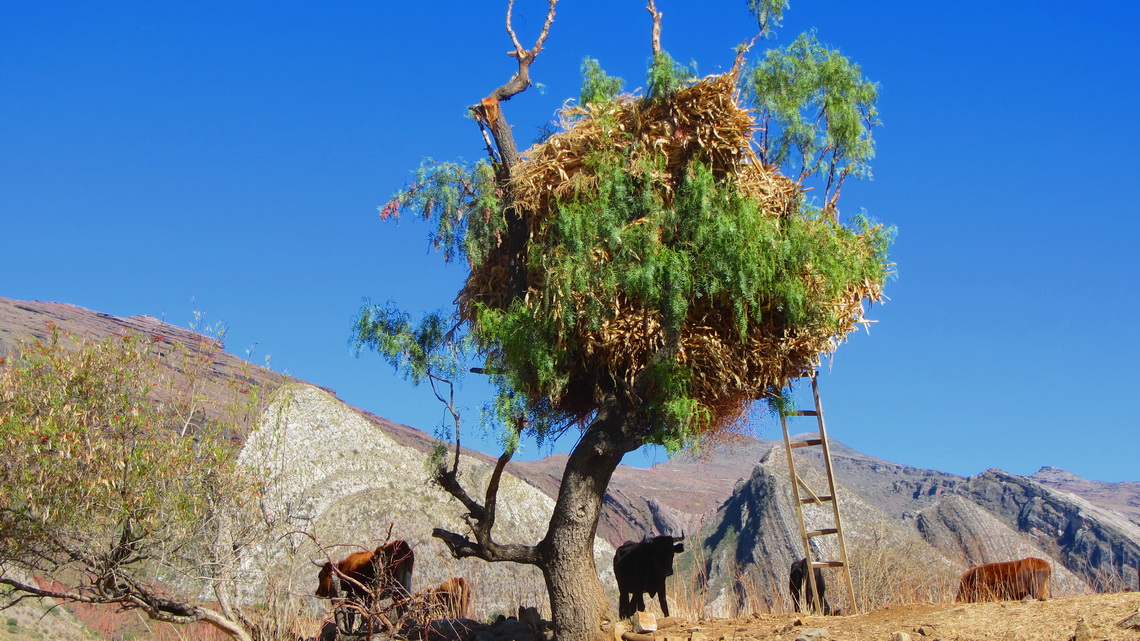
<point x="631" y="212"/>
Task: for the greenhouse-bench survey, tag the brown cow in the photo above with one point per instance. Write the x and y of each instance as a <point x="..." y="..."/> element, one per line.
<point x="1008" y="581"/>
<point x="451" y="600"/>
<point x="385" y="572"/>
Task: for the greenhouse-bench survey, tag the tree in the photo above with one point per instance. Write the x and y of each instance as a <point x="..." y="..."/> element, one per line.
<point x="645" y="275"/>
<point x="115" y="485"/>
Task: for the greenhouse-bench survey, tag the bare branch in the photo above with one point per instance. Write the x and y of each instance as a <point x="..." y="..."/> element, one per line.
<point x="448" y="481"/>
<point x="481" y="519"/>
<point x="34" y="591"/>
<point x="511" y="30"/>
<point x="488" y="112"/>
<point x="656" y="33"/>
<point x="545" y="29"/>
<point x="493" y="490"/>
<point x="521" y="79"/>
<point x="741" y="50"/>
<point x="129" y="594"/>
<point x="462" y="547"/>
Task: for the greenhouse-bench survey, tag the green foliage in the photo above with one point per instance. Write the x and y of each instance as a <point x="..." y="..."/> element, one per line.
<point x="666" y="76"/>
<point x="677" y="417"/>
<point x="436" y="460"/>
<point x="816" y="112"/>
<point x="110" y="468"/>
<point x="768" y="13"/>
<point x="781" y="402"/>
<point x="416" y="350"/>
<point x="85" y="447"/>
<point x="596" y="85"/>
<point x="623" y="241"/>
<point x="455" y="196"/>
<point x="669" y="242"/>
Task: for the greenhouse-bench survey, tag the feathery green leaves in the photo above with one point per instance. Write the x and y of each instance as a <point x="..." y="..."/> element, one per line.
<point x="596" y="85"/>
<point x="816" y="112"/>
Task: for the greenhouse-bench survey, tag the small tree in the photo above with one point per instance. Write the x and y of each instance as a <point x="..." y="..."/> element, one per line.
<point x="116" y="487"/>
<point x="644" y="275"/>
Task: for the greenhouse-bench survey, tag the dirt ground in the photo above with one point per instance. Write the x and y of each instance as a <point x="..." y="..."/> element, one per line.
<point x="1052" y="620"/>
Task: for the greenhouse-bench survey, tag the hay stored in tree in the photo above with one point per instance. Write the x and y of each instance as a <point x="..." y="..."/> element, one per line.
<point x="657" y="242"/>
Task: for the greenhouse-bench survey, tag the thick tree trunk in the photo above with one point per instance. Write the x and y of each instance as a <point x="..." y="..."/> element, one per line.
<point x="579" y="607"/>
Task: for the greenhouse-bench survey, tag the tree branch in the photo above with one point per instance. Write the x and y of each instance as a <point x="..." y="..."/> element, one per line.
<point x="137" y="596"/>
<point x="448" y="480"/>
<point x="449" y="403"/>
<point x="488" y="112"/>
<point x="492" y="499"/>
<point x="481" y="519"/>
<point x="656" y="33"/>
<point x="463" y="547"/>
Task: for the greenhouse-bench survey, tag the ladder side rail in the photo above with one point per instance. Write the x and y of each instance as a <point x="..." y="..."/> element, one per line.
<point x="831" y="488"/>
<point x="800" y="517"/>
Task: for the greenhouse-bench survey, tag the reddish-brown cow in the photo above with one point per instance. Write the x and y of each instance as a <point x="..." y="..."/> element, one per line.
<point x="385" y="572"/>
<point x="1008" y="581"/>
<point x="451" y="600"/>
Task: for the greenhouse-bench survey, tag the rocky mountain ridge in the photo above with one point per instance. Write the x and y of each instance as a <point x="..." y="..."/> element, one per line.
<point x="345" y="475"/>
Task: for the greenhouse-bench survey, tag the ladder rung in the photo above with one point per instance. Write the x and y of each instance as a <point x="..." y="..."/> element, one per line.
<point x="820" y="499"/>
<point x="802" y="413"/>
<point x="822" y="532"/>
<point x="808" y="443"/>
<point x="827" y="564"/>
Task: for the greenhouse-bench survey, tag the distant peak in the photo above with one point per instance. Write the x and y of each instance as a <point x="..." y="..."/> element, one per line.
<point x="1049" y="473"/>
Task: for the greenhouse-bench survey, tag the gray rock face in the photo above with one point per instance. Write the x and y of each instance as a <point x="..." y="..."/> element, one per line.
<point x="971" y="535"/>
<point x="1123" y="497"/>
<point x="330" y="473"/>
<point x="961" y="522"/>
<point x="755" y="537"/>
<point x="1098" y="545"/>
<point x="893" y="488"/>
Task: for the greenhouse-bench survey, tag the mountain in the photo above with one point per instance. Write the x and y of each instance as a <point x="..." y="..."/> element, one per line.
<point x="346" y="478"/>
<point x="1123" y="497"/>
<point x="909" y="532"/>
<point x="333" y="474"/>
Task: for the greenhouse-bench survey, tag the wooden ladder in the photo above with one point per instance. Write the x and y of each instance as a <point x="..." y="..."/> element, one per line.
<point x="798" y="484"/>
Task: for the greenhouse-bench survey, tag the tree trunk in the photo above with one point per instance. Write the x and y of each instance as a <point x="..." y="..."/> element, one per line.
<point x="579" y="607"/>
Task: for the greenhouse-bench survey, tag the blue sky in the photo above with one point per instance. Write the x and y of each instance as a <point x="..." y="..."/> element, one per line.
<point x="158" y="158"/>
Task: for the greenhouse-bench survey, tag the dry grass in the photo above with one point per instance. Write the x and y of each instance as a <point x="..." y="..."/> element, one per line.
<point x="1052" y="620"/>
<point x="887" y="572"/>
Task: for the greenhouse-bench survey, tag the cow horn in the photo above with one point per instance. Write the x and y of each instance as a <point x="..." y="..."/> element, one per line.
<point x="317" y="563"/>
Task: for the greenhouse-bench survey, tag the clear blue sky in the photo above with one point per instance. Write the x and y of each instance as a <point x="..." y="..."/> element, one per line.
<point x="159" y="158"/>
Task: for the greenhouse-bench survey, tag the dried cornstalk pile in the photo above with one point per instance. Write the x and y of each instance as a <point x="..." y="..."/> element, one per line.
<point x="704" y="122"/>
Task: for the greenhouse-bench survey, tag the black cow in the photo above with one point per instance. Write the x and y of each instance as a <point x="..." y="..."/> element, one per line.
<point x="641" y="567"/>
<point x="798" y="584"/>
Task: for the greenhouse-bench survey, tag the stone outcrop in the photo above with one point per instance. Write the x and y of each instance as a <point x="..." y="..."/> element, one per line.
<point x="752" y="542"/>
<point x="330" y="473"/>
<point x="1122" y="497"/>
<point x="1101" y="546"/>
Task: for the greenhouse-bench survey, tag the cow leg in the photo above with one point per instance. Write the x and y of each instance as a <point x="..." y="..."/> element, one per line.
<point x="623" y="605"/>
<point x="664" y="601"/>
<point x="344" y="620"/>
